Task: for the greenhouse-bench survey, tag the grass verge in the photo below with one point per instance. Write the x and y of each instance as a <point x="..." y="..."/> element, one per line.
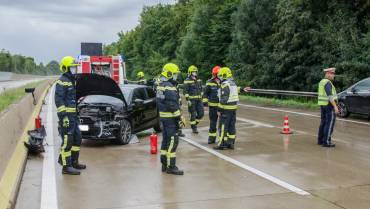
<point x="293" y="103"/>
<point x="11" y="96"/>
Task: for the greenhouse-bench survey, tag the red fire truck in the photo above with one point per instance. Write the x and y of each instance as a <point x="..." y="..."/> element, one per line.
<point x="91" y="60"/>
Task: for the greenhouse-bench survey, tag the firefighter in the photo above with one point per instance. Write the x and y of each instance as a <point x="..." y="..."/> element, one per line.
<point x="327" y="100"/>
<point x="65" y="101"/>
<point x="193" y="95"/>
<point x="170" y="115"/>
<point x="140" y="78"/>
<point x="229" y="98"/>
<point x="211" y="100"/>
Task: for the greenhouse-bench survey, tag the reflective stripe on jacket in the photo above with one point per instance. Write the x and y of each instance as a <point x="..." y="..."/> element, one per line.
<point x="167" y="99"/>
<point x="193" y="88"/>
<point x="323" y="98"/>
<point x="65" y="95"/>
<point x="229" y="95"/>
<point x="211" y="93"/>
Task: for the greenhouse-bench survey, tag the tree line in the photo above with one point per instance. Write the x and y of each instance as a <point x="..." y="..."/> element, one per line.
<point x="275" y="44"/>
<point x="26" y="65"/>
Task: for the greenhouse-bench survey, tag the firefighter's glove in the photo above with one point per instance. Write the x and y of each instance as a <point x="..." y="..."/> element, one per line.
<point x="65" y="122"/>
<point x="182" y="122"/>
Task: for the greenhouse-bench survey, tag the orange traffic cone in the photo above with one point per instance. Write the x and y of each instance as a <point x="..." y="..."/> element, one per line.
<point x="286" y="129"/>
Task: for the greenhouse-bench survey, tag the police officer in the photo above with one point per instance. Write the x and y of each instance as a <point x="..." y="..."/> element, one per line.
<point x="193" y="95"/>
<point x="140" y="78"/>
<point x="229" y="98"/>
<point x="327" y="100"/>
<point x="211" y="99"/>
<point x="65" y="101"/>
<point x="169" y="112"/>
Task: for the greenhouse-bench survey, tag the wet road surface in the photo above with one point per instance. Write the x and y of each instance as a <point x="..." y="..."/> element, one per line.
<point x="129" y="177"/>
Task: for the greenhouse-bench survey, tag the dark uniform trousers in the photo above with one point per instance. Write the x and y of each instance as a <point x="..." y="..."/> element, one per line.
<point x="170" y="141"/>
<point x="227" y="127"/>
<point x="71" y="140"/>
<point x="196" y="111"/>
<point x="328" y="118"/>
<point x="213" y="117"/>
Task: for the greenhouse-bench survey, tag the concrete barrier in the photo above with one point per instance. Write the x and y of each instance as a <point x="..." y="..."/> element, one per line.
<point x="14" y="123"/>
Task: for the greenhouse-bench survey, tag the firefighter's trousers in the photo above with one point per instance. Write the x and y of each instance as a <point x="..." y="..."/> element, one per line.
<point x="213" y="118"/>
<point x="71" y="140"/>
<point x="196" y="111"/>
<point x="170" y="141"/>
<point x="227" y="127"/>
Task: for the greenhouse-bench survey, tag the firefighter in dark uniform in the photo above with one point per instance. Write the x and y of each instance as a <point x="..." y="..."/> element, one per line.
<point x="170" y="115"/>
<point x="327" y="100"/>
<point x="65" y="101"/>
<point x="193" y="95"/>
<point x="229" y="98"/>
<point x="211" y="100"/>
<point x="141" y="79"/>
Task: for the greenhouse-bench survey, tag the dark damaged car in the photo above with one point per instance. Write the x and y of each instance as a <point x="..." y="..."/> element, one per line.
<point x="109" y="111"/>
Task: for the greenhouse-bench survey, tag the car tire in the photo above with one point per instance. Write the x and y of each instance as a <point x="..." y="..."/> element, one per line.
<point x="158" y="127"/>
<point x="343" y="110"/>
<point x="125" y="133"/>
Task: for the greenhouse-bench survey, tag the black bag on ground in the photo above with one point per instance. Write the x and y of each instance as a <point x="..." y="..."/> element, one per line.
<point x="35" y="143"/>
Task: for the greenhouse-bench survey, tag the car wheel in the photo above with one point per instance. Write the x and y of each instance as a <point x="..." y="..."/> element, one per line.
<point x="125" y="132"/>
<point x="343" y="110"/>
<point x="158" y="127"/>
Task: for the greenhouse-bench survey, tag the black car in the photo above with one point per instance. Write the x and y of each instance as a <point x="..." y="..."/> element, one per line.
<point x="355" y="99"/>
<point x="109" y="111"/>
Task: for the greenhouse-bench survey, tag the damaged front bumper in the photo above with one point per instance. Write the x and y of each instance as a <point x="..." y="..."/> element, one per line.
<point x="99" y="129"/>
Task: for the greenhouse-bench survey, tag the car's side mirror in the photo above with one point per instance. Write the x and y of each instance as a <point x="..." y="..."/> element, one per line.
<point x="138" y="102"/>
<point x="31" y="91"/>
<point x="354" y="90"/>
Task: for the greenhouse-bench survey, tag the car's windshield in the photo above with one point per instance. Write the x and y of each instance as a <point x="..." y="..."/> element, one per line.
<point x="127" y="92"/>
<point x="102" y="99"/>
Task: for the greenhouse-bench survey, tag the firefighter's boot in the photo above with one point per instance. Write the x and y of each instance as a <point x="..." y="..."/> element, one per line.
<point x="221" y="146"/>
<point x="174" y="170"/>
<point x="211" y="140"/>
<point x="75" y="163"/>
<point x="195" y="129"/>
<point x="231" y="143"/>
<point x="69" y="170"/>
<point x="164" y="167"/>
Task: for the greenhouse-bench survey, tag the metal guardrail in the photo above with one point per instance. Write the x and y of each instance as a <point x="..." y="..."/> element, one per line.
<point x="283" y="93"/>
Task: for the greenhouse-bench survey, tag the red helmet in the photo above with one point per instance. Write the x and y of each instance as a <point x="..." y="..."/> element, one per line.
<point x="215" y="70"/>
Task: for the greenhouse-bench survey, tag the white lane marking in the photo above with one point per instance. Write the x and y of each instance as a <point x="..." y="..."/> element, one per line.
<point x="248" y="168"/>
<point x="48" y="190"/>
<point x="301" y="113"/>
<point x="257" y="123"/>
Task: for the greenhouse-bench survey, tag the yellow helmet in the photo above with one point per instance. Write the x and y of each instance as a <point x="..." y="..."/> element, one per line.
<point x="224" y="73"/>
<point x="66" y="63"/>
<point x="169" y="70"/>
<point x="192" y="69"/>
<point x="140" y="74"/>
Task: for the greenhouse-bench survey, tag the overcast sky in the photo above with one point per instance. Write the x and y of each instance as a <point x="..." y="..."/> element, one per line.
<point x="51" y="29"/>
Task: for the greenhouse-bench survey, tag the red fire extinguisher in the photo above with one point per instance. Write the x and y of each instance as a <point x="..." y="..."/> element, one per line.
<point x="153" y="143"/>
<point x="37" y="122"/>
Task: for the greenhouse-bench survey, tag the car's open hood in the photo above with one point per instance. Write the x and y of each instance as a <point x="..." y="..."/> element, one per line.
<point x="94" y="84"/>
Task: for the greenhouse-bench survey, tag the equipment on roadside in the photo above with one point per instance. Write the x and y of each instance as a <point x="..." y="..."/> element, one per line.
<point x="153" y="144"/>
<point x="286" y="128"/>
<point x="35" y="141"/>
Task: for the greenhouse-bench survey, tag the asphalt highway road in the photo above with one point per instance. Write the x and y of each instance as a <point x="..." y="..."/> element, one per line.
<point x="267" y="170"/>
